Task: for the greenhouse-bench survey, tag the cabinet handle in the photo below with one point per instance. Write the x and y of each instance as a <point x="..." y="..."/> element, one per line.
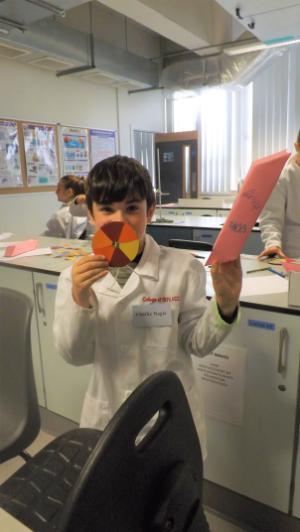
<point x="40" y="299"/>
<point x="283" y="350"/>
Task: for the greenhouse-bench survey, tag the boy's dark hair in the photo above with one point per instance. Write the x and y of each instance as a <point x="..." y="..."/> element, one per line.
<point x="117" y="178"/>
<point x="298" y="137"/>
<point x="77" y="184"/>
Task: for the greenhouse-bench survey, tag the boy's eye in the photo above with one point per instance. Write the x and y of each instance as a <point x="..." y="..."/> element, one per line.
<point x="106" y="209"/>
<point x="132" y="208"/>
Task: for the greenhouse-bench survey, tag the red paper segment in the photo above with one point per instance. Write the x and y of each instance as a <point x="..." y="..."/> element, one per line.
<point x="113" y="230"/>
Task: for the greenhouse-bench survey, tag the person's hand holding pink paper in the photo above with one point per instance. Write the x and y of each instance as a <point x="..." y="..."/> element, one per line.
<point x="257" y="187"/>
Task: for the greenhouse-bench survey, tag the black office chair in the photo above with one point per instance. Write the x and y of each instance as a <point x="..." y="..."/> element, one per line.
<point x="133" y="480"/>
<point x="20" y="418"/>
<point x="190" y="244"/>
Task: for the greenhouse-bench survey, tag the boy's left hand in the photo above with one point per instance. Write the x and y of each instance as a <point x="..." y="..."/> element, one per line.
<point x="227" y="283"/>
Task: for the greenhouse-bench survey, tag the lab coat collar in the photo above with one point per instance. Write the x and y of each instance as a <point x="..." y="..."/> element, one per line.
<point x="149" y="263"/>
<point x="147" y="267"/>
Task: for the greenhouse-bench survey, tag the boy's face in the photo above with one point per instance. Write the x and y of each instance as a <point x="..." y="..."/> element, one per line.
<point x="135" y="213"/>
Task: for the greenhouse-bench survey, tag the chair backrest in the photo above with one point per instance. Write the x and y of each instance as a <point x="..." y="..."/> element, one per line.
<point x="19" y="413"/>
<point x="190" y="244"/>
<point x="144" y="485"/>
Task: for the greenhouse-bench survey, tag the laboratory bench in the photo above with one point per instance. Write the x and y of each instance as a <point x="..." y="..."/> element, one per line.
<point x="251" y="385"/>
<point x="198" y="228"/>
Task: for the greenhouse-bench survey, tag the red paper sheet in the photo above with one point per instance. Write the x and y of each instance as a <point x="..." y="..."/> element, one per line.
<point x="257" y="187"/>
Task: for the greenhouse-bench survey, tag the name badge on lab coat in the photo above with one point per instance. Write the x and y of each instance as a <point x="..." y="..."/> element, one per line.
<point x="153" y="315"/>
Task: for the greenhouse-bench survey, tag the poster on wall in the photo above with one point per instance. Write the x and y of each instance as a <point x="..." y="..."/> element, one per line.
<point x="103" y="144"/>
<point x="10" y="168"/>
<point x="74" y="150"/>
<point x="40" y="154"/>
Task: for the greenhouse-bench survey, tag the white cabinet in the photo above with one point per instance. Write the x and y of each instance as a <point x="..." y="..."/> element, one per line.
<point x="255" y="459"/>
<point x="65" y="384"/>
<point x="21" y="281"/>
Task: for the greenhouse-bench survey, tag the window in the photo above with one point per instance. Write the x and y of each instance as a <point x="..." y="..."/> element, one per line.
<point x="143" y="150"/>
<point x="223" y="119"/>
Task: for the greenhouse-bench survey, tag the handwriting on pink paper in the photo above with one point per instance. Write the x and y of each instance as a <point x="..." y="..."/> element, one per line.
<point x="257" y="187"/>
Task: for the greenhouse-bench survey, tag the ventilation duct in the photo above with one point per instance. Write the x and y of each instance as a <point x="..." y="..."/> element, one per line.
<point x="205" y="71"/>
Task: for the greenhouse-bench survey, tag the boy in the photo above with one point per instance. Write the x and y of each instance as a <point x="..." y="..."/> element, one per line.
<point x="94" y="321"/>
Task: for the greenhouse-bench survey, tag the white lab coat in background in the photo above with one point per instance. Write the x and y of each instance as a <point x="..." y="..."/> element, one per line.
<point x="280" y="220"/>
<point x="82" y="210"/>
<point x="62" y="224"/>
<point x="123" y="355"/>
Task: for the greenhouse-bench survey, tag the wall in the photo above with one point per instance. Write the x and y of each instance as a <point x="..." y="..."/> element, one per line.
<point x="141" y="110"/>
<point x="33" y="94"/>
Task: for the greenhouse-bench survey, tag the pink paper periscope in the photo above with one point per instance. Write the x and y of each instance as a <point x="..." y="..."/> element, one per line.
<point x="257" y="187"/>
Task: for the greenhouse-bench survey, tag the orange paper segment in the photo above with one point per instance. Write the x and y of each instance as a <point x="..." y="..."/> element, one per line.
<point x="127" y="234"/>
<point x="107" y="252"/>
<point x="101" y="241"/>
<point x="257" y="187"/>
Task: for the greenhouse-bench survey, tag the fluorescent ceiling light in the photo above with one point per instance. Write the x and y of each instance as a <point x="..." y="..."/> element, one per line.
<point x="255" y="47"/>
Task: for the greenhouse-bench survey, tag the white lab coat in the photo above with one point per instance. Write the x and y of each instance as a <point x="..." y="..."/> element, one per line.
<point x="123" y="355"/>
<point x="280" y="220"/>
<point x="63" y="224"/>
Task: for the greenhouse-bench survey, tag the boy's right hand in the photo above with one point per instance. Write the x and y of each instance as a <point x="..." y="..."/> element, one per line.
<point x="85" y="272"/>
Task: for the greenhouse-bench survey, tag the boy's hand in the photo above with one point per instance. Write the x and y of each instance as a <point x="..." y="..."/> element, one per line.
<point x="85" y="272"/>
<point x="227" y="283"/>
<point x="80" y="199"/>
<point x="271" y="251"/>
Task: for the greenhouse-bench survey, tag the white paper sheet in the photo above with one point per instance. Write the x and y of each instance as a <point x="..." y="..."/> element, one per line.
<point x="264" y="284"/>
<point x="3" y="236"/>
<point x="5" y="244"/>
<point x="256" y="286"/>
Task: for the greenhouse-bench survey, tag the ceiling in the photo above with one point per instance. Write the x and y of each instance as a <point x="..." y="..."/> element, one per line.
<point x="137" y="44"/>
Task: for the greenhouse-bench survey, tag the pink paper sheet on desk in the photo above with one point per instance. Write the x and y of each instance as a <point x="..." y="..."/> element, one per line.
<point x="256" y="189"/>
<point x="291" y="267"/>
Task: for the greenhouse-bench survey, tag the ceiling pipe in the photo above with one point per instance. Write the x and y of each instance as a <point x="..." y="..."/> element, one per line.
<point x="91" y="65"/>
<point x="133" y="91"/>
<point x="50" y="7"/>
<point x="12" y="23"/>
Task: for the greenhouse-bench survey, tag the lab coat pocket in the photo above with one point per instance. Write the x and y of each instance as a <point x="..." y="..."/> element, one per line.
<point x="157" y="358"/>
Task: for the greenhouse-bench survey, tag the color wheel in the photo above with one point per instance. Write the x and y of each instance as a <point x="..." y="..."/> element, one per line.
<point x="118" y="242"/>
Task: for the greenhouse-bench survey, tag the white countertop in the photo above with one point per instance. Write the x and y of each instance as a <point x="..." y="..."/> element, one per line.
<point x="48" y="264"/>
<point x="202" y="222"/>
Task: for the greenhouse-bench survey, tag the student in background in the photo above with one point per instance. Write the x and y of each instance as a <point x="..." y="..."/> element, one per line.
<point x="63" y="223"/>
<point x="95" y="321"/>
<point x="280" y="220"/>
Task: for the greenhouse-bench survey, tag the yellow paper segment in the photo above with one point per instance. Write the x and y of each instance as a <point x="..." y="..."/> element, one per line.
<point x="130" y="249"/>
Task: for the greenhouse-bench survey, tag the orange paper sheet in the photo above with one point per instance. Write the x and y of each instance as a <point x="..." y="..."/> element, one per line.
<point x="257" y="187"/>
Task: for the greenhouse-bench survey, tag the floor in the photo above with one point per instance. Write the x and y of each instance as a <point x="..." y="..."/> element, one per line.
<point x="217" y="524"/>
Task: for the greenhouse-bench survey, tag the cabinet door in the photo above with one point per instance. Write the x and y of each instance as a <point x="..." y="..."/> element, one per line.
<point x="255" y="459"/>
<point x="22" y="281"/>
<point x="253" y="244"/>
<point x="206" y="235"/>
<point x="65" y="385"/>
